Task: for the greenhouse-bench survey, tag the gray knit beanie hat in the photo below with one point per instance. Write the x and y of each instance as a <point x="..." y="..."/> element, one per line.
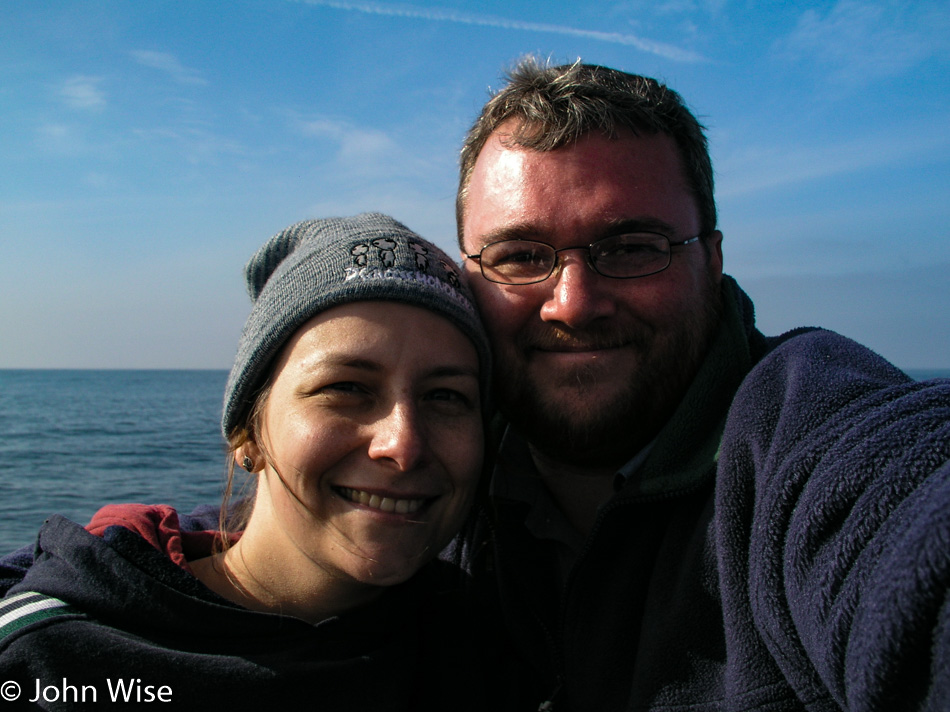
<point x="317" y="264"/>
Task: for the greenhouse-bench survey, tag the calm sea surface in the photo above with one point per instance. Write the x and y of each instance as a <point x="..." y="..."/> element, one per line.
<point x="71" y="441"/>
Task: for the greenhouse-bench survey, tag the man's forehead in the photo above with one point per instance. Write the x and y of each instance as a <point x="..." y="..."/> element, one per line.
<point x="597" y="182"/>
<point x="499" y="160"/>
<point x="502" y="159"/>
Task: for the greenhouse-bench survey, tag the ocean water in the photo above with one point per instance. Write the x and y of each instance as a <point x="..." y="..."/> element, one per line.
<point x="71" y="441"/>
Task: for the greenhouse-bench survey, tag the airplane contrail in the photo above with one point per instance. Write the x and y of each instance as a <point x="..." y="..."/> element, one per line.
<point x="658" y="48"/>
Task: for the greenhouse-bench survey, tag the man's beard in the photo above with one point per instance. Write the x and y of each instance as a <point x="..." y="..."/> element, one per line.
<point x="608" y="432"/>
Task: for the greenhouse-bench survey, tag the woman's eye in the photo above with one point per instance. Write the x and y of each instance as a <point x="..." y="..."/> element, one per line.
<point x="341" y="389"/>
<point x="451" y="398"/>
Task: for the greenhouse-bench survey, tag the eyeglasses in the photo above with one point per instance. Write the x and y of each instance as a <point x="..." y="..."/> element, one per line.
<point x="634" y="254"/>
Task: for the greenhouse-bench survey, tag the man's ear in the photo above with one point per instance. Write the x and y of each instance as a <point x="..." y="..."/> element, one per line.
<point x="715" y="253"/>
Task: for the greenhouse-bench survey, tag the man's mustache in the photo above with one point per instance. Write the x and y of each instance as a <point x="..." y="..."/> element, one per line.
<point x="556" y="338"/>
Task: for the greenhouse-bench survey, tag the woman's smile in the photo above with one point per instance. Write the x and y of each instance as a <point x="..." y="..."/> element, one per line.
<point x="383" y="502"/>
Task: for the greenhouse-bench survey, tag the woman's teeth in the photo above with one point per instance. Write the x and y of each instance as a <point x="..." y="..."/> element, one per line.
<point x="384" y="504"/>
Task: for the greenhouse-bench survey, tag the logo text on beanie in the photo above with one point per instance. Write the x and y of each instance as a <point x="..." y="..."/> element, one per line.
<point x="385" y="268"/>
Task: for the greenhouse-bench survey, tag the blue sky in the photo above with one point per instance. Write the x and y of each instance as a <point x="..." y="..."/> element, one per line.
<point x="149" y="147"/>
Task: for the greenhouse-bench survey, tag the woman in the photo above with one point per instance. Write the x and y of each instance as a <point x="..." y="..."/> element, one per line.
<point x="356" y="400"/>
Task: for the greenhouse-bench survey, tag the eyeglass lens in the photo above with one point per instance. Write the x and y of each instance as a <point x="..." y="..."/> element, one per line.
<point x="621" y="256"/>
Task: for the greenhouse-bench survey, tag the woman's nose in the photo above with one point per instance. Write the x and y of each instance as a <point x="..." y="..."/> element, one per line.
<point x="399" y="437"/>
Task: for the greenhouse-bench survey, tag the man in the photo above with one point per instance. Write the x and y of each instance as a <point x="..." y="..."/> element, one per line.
<point x="686" y="514"/>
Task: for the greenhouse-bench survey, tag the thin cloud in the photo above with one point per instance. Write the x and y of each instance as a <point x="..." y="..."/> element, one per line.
<point x="196" y="145"/>
<point x="356" y="154"/>
<point x="441" y="15"/>
<point x="61" y="140"/>
<point x="859" y="41"/>
<point x="360" y="151"/>
<point x="759" y="169"/>
<point x="82" y="92"/>
<point x="169" y="64"/>
<point x="354" y="143"/>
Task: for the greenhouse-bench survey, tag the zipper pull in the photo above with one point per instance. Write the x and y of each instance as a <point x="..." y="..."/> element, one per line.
<point x="548" y="705"/>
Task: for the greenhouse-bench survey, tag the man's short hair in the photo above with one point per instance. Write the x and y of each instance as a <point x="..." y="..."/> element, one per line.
<point x="553" y="106"/>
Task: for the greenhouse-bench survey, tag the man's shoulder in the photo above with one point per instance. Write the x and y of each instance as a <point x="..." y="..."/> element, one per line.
<point x="816" y="380"/>
<point x="822" y="358"/>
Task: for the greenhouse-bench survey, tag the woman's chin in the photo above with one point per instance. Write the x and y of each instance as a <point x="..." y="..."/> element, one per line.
<point x="388" y="569"/>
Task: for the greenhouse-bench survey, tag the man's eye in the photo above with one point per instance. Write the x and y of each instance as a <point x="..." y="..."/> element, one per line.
<point x="631" y="248"/>
<point x="624" y="250"/>
<point x="517" y="257"/>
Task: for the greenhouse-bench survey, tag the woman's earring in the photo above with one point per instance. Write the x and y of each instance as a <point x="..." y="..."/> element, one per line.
<point x="248" y="464"/>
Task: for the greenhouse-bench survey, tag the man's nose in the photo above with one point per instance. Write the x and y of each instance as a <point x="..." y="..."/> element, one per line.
<point x="579" y="295"/>
<point x="399" y="437"/>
